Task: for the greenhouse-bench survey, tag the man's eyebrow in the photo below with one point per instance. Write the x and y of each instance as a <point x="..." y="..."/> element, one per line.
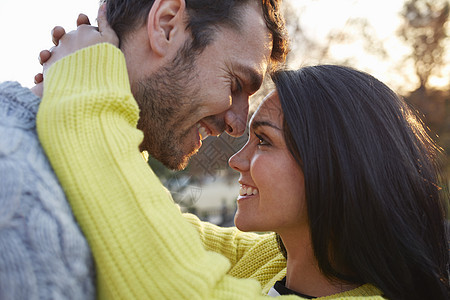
<point x="252" y="77"/>
<point x="256" y="124"/>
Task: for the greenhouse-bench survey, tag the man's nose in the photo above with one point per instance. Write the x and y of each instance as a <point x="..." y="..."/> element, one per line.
<point x="236" y="118"/>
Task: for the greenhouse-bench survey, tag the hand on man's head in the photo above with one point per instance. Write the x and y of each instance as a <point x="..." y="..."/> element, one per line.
<point x="84" y="36"/>
<point x="67" y="43"/>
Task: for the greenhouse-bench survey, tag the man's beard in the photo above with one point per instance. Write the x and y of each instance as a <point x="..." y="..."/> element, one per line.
<point x="166" y="99"/>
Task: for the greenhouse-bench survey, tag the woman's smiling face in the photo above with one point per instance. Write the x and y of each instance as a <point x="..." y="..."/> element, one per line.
<point x="272" y="194"/>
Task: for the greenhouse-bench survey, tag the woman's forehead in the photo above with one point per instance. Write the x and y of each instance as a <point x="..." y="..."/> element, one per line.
<point x="269" y="109"/>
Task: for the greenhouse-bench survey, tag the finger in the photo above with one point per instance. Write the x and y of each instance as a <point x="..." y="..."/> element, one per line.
<point x="44" y="55"/>
<point x="38" y="89"/>
<point x="38" y="78"/>
<point x="83" y="20"/>
<point x="104" y="28"/>
<point x="57" y="33"/>
<point x="103" y="25"/>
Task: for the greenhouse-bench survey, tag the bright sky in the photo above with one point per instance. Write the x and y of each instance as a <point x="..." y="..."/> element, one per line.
<point x="321" y="16"/>
<point x="25" y="30"/>
<point x="25" y="27"/>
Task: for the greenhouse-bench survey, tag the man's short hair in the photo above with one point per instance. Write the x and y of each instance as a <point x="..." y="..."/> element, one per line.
<point x="204" y="16"/>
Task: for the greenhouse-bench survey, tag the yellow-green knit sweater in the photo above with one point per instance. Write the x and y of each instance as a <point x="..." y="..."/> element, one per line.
<point x="143" y="246"/>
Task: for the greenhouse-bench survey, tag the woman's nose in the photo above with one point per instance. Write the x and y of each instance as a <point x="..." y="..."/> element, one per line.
<point x="239" y="161"/>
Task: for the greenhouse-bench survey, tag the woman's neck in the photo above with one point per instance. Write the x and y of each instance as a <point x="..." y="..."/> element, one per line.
<point x="303" y="274"/>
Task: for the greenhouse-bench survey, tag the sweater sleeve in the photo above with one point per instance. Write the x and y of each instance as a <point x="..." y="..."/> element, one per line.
<point x="229" y="241"/>
<point x="143" y="247"/>
<point x="251" y="255"/>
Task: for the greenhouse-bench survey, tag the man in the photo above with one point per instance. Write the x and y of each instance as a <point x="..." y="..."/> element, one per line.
<point x="207" y="67"/>
<point x="192" y="67"/>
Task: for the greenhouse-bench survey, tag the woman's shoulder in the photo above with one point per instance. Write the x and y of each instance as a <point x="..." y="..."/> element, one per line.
<point x="363" y="292"/>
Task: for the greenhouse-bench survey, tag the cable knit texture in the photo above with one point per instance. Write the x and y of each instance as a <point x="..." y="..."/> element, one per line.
<point x="43" y="254"/>
<point x="143" y="246"/>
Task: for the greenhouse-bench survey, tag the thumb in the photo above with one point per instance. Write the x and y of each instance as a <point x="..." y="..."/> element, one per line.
<point x="104" y="28"/>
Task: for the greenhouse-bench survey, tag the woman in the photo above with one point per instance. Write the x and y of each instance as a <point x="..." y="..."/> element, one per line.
<point x="363" y="193"/>
<point x="335" y="164"/>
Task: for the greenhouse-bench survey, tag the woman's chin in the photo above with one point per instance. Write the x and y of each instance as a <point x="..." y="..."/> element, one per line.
<point x="240" y="223"/>
<point x="244" y="223"/>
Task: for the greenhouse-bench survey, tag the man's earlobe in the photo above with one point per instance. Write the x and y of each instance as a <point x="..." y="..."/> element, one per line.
<point x="165" y="25"/>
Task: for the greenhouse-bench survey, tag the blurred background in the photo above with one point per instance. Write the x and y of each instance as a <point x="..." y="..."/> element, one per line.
<point x="404" y="43"/>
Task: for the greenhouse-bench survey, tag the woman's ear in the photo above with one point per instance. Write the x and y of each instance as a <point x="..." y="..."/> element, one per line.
<point x="165" y="26"/>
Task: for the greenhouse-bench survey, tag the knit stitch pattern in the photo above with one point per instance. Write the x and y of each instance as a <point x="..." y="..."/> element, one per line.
<point x="43" y="254"/>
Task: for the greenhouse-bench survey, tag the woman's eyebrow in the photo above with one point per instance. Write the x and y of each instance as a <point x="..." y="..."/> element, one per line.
<point x="256" y="124"/>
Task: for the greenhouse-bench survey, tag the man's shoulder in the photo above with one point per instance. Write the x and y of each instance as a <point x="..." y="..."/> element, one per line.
<point x="39" y="236"/>
<point x="19" y="142"/>
<point x="18" y="105"/>
<point x="22" y="158"/>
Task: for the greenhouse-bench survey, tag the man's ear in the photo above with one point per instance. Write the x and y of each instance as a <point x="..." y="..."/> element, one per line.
<point x="165" y="25"/>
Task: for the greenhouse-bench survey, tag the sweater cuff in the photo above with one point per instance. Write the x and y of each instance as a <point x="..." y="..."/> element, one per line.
<point x="98" y="67"/>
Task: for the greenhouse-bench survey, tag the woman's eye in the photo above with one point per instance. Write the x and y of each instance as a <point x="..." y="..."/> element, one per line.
<point x="261" y="140"/>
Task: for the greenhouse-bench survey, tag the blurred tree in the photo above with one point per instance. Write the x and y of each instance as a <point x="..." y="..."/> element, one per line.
<point x="424" y="29"/>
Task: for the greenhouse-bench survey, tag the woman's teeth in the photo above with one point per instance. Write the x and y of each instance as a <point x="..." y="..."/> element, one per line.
<point x="202" y="131"/>
<point x="247" y="190"/>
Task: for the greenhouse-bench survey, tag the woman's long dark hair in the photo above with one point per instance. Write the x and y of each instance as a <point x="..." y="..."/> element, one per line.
<point x="375" y="210"/>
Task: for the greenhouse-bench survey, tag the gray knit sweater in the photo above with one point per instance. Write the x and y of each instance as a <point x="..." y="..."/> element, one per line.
<point x="43" y="254"/>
